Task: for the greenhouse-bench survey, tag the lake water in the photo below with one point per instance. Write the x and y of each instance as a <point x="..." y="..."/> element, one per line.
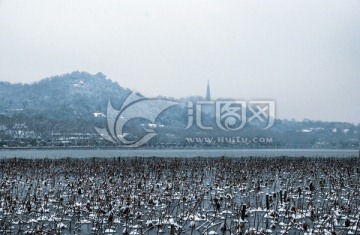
<point x="109" y="153"/>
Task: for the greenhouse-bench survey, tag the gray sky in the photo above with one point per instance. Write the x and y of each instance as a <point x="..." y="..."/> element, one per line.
<point x="304" y="54"/>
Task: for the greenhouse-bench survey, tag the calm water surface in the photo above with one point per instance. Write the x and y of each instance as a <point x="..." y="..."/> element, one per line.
<point x="109" y="153"/>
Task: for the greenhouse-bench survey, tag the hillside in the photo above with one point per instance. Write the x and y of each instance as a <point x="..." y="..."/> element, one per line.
<point x="78" y="94"/>
<point x="65" y="109"/>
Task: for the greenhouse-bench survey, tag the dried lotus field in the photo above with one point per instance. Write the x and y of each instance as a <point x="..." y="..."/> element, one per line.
<point x="196" y="196"/>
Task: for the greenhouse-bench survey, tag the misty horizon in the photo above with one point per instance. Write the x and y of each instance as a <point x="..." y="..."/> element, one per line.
<point x="302" y="54"/>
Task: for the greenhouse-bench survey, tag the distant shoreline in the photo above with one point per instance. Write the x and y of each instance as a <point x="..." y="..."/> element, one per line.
<point x="176" y="148"/>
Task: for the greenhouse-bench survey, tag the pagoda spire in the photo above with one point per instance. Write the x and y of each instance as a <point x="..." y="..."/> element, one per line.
<point x="208" y="97"/>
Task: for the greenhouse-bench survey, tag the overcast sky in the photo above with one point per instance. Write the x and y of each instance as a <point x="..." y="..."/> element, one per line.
<point x="304" y="54"/>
